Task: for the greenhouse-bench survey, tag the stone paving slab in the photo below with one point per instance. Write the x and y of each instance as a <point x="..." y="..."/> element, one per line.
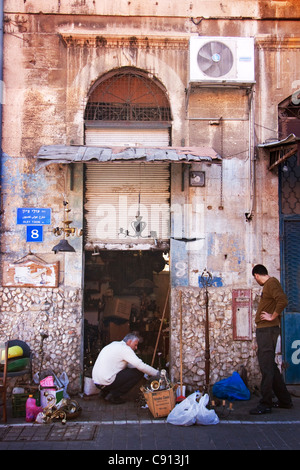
<point x="53" y="432"/>
<point x="154" y="440"/>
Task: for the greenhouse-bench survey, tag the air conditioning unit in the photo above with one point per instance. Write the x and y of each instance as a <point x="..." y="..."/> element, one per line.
<point x="221" y="60"/>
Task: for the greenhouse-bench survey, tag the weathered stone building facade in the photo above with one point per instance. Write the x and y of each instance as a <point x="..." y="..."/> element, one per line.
<point x="58" y="57"/>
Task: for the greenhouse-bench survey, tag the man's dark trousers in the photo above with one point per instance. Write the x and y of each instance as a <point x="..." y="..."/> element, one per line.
<point x="271" y="377"/>
<point x="124" y="381"/>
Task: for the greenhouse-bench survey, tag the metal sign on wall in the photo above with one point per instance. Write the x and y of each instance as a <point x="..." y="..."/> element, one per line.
<point x="242" y="314"/>
<point x="34" y="218"/>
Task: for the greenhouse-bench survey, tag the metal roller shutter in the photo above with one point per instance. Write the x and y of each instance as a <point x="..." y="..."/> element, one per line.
<point x="127" y="137"/>
<point x="291" y="317"/>
<point x="114" y="194"/>
<point x="292" y="263"/>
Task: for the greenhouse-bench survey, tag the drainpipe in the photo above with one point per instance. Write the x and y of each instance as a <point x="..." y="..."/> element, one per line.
<point x="249" y="215"/>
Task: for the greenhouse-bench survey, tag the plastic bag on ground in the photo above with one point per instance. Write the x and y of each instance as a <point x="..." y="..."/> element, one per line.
<point x="64" y="380"/>
<point x="232" y="388"/>
<point x="204" y="416"/>
<point x="184" y="413"/>
<point x="190" y="412"/>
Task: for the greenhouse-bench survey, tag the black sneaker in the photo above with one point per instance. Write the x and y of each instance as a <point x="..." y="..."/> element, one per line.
<point x="260" y="410"/>
<point x="277" y="404"/>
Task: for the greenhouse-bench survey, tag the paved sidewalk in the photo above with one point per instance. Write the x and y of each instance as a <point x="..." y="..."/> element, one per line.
<point x="96" y="409"/>
<point x="131" y="428"/>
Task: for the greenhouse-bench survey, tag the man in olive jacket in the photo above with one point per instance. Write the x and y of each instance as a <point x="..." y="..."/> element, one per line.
<point x="273" y="301"/>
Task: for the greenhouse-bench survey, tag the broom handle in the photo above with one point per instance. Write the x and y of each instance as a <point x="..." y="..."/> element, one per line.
<point x="160" y="327"/>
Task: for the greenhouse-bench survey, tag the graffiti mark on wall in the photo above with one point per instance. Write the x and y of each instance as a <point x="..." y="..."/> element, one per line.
<point x="216" y="282"/>
<point x="296" y="354"/>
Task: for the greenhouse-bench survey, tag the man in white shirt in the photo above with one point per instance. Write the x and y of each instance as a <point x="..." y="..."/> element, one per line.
<point x="117" y="368"/>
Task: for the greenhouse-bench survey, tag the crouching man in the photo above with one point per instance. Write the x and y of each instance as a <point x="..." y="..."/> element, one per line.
<point x="118" y="369"/>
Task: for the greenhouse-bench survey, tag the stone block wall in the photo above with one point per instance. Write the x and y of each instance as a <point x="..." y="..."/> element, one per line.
<point x="226" y="354"/>
<point x="25" y="313"/>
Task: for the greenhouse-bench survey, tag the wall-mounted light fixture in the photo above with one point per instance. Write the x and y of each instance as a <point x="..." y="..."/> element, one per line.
<point x="285" y="168"/>
<point x="63" y="245"/>
<point x="197" y="178"/>
<point x="66" y="231"/>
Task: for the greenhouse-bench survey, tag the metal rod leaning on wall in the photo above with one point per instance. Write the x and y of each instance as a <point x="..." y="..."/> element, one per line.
<point x="207" y="345"/>
<point x="180" y="338"/>
<point x="160" y="327"/>
<point x="206" y="280"/>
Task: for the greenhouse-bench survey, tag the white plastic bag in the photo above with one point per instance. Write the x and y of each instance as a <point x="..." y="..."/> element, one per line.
<point x="190" y="412"/>
<point x="205" y="416"/>
<point x="63" y="378"/>
<point x="185" y="412"/>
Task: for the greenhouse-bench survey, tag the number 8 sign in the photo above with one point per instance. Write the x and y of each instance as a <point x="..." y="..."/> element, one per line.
<point x="34" y="233"/>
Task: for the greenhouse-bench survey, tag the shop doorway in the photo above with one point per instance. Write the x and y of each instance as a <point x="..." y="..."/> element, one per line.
<point x="127" y="291"/>
<point x="127" y="205"/>
<point x="289" y="204"/>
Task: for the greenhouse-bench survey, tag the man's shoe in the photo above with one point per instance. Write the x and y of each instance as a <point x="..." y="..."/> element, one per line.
<point x="260" y="410"/>
<point x="277" y="404"/>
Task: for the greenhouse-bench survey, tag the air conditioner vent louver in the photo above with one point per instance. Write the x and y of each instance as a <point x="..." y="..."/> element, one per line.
<point x="221" y="59"/>
<point x="215" y="59"/>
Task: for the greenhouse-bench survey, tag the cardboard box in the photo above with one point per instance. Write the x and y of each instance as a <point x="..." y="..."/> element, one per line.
<point x="117" y="307"/>
<point x="160" y="403"/>
<point x="92" y="317"/>
<point x="117" y="332"/>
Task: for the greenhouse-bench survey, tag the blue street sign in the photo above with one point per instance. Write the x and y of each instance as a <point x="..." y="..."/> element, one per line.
<point x="33" y="216"/>
<point x="34" y="233"/>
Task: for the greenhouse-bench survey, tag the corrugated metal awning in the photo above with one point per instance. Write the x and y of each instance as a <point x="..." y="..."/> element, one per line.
<point x="281" y="150"/>
<point x="48" y="154"/>
<point x="290" y="139"/>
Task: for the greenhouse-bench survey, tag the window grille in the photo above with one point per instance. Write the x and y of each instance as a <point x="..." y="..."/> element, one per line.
<point x="288" y="118"/>
<point x="128" y="96"/>
<point x="290" y="187"/>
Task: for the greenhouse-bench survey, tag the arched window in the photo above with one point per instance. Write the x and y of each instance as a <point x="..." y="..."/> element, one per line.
<point x="129" y="95"/>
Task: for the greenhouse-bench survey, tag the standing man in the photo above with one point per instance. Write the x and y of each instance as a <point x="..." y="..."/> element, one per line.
<point x="272" y="303"/>
<point x="117" y="368"/>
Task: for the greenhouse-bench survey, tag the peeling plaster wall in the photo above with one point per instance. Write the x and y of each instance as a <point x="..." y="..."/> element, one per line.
<point x="166" y="8"/>
<point x="23" y="312"/>
<point x="54" y="53"/>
